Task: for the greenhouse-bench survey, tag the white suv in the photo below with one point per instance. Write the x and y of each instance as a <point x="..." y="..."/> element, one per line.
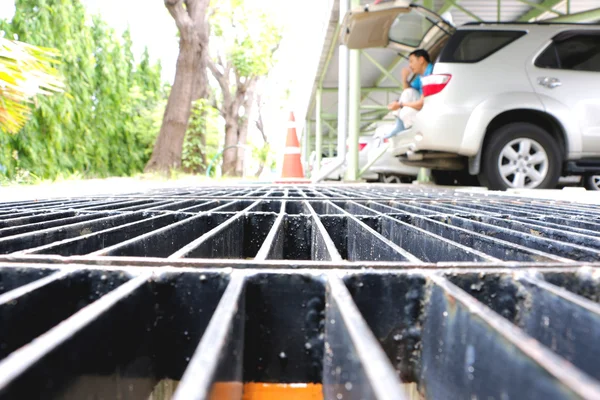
<point x="516" y="105"/>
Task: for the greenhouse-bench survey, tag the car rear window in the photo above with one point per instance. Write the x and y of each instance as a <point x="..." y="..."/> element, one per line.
<point x="471" y="46"/>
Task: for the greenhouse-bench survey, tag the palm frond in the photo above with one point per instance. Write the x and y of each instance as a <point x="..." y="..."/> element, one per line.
<point x="26" y="71"/>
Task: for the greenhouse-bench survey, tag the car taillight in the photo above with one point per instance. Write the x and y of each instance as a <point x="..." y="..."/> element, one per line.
<point x="433" y="84"/>
<point x="360" y="146"/>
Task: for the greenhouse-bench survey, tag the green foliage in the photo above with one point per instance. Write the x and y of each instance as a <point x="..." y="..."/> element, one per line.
<point x="247" y="35"/>
<point x="202" y="137"/>
<point x="106" y="121"/>
<point x="264" y="155"/>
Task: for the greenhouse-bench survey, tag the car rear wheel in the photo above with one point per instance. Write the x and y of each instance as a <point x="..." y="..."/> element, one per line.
<point x="391" y="178"/>
<point x="592" y="182"/>
<point x="520" y="155"/>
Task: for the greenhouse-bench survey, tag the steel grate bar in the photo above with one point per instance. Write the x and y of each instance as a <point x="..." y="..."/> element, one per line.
<point x="426" y="245"/>
<point x="45" y="221"/>
<point x="550" y="209"/>
<point x="183" y="205"/>
<point x="91" y="242"/>
<point x="32" y="206"/>
<point x="323" y="247"/>
<point x="13" y="278"/>
<point x="563" y="322"/>
<point x="164" y="241"/>
<point x="30" y="363"/>
<point x="532" y="240"/>
<point x="436" y="294"/>
<point x="119" y="205"/>
<point x="538" y="222"/>
<point x="588" y="238"/>
<point x="215" y="370"/>
<point x="224" y="240"/>
<point x="460" y="331"/>
<point x="490" y="246"/>
<point x="39" y="238"/>
<point x="272" y="247"/>
<point x="354" y="366"/>
<point x="409" y="209"/>
<point x="365" y="243"/>
<point x="74" y="290"/>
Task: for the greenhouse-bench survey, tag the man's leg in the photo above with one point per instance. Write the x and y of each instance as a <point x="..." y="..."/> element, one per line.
<point x="409" y="95"/>
<point x="399" y="127"/>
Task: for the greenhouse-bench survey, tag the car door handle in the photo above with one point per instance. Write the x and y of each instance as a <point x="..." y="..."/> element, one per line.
<point x="549" y="82"/>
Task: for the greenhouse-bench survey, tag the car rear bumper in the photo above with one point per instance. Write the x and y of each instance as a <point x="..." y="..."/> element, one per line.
<point x="437" y="127"/>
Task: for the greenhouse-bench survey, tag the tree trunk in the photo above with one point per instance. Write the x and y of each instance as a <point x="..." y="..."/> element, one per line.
<point x="203" y="149"/>
<point x="188" y="84"/>
<point x="231" y="139"/>
<point x="241" y="151"/>
<point x="261" y="167"/>
<point x="243" y="127"/>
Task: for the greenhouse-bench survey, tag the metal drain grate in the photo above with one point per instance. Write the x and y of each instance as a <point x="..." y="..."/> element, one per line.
<point x="358" y="288"/>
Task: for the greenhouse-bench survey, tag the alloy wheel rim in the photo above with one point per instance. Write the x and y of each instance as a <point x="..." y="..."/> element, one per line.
<point x="523" y="163"/>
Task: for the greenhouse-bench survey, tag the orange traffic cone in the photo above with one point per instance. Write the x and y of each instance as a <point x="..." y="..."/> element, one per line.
<point x="292" y="165"/>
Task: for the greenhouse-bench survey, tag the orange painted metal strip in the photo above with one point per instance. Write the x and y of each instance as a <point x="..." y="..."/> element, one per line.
<point x="276" y="391"/>
<point x="226" y="390"/>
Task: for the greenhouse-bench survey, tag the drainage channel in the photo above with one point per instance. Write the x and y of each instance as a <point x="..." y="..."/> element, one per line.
<point x="320" y="292"/>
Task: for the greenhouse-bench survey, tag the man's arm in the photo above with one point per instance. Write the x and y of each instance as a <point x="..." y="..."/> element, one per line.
<point x="405" y="75"/>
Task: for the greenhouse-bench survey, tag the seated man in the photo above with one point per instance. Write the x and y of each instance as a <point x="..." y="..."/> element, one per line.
<point x="411" y="100"/>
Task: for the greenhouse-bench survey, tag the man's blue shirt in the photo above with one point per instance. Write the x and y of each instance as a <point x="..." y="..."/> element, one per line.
<point x="416" y="83"/>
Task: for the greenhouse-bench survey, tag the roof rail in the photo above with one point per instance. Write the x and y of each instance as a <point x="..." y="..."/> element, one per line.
<point x="530" y="23"/>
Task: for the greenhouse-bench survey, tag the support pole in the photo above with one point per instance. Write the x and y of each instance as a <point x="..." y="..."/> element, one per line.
<point x="499" y="11"/>
<point x="343" y="82"/>
<point x="330" y="145"/>
<point x="353" y="114"/>
<point x="318" y="132"/>
<point x="342" y="116"/>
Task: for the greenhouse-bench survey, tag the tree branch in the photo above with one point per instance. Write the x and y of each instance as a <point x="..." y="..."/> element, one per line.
<point x="216" y="106"/>
<point x="213" y="69"/>
<point x="260" y="125"/>
<point x="223" y="80"/>
<point x="180" y="15"/>
<point x="238" y="82"/>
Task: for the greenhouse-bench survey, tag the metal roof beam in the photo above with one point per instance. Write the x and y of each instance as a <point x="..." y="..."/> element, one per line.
<point x="380" y="67"/>
<point x="390" y="69"/>
<point x="448" y="4"/>
<point x="544" y="6"/>
<point x="464" y="10"/>
<point x="585" y="16"/>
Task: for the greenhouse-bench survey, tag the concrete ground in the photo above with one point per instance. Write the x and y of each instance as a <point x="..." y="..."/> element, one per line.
<point x="87" y="187"/>
<point x="76" y="188"/>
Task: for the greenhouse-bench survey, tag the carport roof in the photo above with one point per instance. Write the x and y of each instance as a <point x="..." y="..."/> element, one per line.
<point x="458" y="12"/>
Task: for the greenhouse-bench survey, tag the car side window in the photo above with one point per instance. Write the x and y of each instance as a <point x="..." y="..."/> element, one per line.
<point x="575" y="51"/>
<point x="471" y="46"/>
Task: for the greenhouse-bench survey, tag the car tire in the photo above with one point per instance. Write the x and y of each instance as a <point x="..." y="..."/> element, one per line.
<point x="592" y="182"/>
<point x="520" y="155"/>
